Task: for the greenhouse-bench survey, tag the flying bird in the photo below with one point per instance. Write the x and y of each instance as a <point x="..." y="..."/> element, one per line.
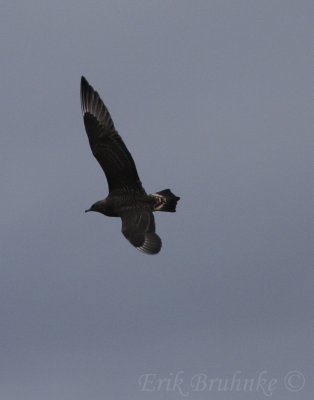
<point x="127" y="198"/>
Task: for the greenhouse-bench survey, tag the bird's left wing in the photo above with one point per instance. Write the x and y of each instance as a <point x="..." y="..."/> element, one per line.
<point x="106" y="144"/>
<point x="138" y="226"/>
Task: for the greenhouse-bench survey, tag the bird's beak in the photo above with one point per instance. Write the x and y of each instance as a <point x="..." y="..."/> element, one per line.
<point x="87" y="210"/>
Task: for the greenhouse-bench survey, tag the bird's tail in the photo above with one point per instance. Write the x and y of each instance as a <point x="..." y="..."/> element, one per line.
<point x="165" y="201"/>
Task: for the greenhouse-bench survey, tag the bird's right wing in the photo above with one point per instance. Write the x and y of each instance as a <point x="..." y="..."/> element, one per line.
<point x="138" y="226"/>
<point x="106" y="144"/>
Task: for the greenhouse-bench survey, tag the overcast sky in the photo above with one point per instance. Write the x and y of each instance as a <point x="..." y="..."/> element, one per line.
<point x="214" y="100"/>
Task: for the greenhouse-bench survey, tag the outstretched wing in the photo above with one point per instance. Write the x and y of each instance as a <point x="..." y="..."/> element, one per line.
<point x="106" y="144"/>
<point x="138" y="226"/>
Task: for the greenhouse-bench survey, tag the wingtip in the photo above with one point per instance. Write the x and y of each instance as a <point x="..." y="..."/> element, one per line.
<point x="152" y="244"/>
<point x="84" y="81"/>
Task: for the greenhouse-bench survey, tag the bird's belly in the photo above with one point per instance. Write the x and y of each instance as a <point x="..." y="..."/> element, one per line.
<point x="111" y="213"/>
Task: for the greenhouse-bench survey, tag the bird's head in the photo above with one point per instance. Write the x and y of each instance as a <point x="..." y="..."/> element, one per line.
<point x="98" y="207"/>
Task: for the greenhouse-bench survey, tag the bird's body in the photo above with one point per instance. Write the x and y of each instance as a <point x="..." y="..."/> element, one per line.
<point x="127" y="198"/>
<point x="116" y="203"/>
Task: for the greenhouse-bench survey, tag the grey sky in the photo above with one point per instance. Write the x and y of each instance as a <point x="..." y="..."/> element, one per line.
<point x="214" y="99"/>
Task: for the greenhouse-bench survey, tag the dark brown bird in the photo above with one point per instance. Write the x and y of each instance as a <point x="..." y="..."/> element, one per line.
<point x="127" y="198"/>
